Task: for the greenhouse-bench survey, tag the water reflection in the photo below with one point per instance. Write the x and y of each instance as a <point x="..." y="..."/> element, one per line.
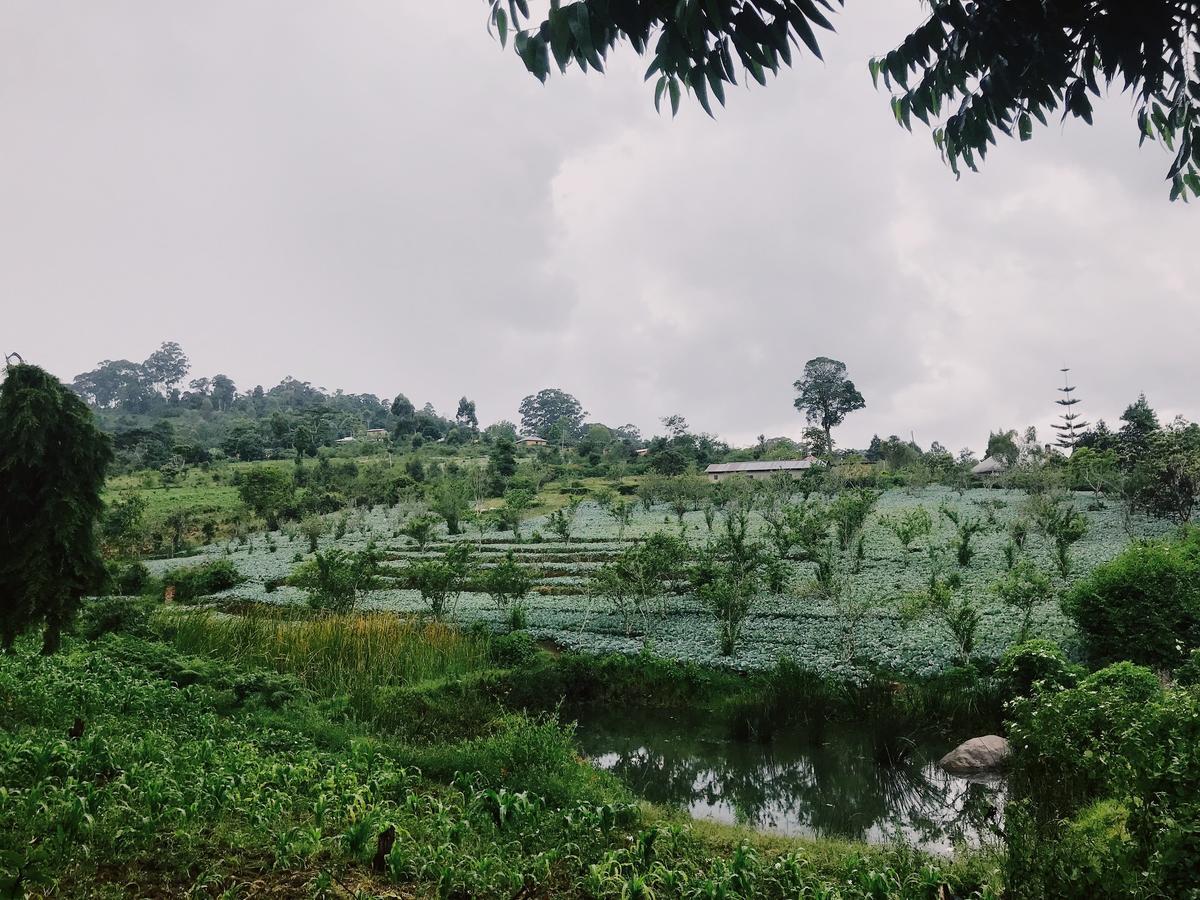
<point x="823" y="782"/>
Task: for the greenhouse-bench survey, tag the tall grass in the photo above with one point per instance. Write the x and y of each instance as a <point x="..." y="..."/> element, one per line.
<point x="351" y="654"/>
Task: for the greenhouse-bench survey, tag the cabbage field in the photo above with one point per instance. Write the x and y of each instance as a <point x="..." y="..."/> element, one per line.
<point x="870" y="626"/>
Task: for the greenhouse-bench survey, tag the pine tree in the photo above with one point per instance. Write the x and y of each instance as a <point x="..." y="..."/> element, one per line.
<point x="1070" y="428"/>
<point x="52" y="464"/>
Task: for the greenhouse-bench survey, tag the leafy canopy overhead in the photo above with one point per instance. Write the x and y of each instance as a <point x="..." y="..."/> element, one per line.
<point x="969" y="71"/>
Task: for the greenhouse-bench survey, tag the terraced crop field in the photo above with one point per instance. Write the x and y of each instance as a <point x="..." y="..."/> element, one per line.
<point x="870" y="627"/>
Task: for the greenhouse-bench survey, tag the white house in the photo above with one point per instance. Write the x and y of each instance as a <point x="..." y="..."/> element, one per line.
<point x="761" y="468"/>
<point x="989" y="467"/>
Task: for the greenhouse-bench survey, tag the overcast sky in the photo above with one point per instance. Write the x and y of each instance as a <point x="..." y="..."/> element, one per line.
<point x="370" y="194"/>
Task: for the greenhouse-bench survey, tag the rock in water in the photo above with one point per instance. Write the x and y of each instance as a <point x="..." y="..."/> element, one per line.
<point x="978" y="756"/>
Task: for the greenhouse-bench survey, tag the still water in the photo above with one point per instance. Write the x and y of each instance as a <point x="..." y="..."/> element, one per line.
<point x="829" y="780"/>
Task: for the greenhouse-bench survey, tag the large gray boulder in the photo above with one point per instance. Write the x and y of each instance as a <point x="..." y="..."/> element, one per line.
<point x="978" y="756"/>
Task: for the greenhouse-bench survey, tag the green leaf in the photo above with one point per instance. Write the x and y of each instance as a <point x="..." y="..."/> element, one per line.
<point x="658" y="91"/>
<point x="698" y="85"/>
<point x="673" y="89"/>
<point x="502" y="26"/>
<point x="715" y="82"/>
<point x="806" y="34"/>
<point x="560" y="38"/>
<point x="1025" y="126"/>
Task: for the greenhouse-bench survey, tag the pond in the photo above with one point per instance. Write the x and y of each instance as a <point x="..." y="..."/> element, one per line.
<point x="826" y="780"/>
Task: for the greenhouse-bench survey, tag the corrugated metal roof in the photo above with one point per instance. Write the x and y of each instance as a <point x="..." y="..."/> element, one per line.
<point x="988" y="467"/>
<point x="761" y="465"/>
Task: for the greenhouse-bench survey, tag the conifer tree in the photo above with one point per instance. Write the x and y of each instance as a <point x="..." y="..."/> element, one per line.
<point x="1071" y="427"/>
<point x="52" y="464"/>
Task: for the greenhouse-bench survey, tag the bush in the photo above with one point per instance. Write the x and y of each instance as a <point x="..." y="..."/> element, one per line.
<point x="1142" y="606"/>
<point x="1089" y="858"/>
<point x="127" y="580"/>
<point x="1188" y="674"/>
<point x="194" y="582"/>
<point x="522" y="753"/>
<point x="439" y="711"/>
<point x="335" y="578"/>
<point x="513" y="649"/>
<point x="127" y="615"/>
<point x="1026" y="664"/>
<point x="1104" y="785"/>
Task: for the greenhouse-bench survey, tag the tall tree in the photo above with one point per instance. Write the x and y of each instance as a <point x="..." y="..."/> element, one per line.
<point x="676" y="425"/>
<point x="466" y="417"/>
<point x="826" y="395"/>
<point x="503" y="457"/>
<point x="1141" y="424"/>
<point x="1071" y="427"/>
<point x="223" y="392"/>
<point x="548" y="408"/>
<point x="167" y="366"/>
<point x="1002" y="445"/>
<point x="267" y="491"/>
<point x="115" y="383"/>
<point x="968" y="71"/>
<point x="406" y="415"/>
<point x="52" y="465"/>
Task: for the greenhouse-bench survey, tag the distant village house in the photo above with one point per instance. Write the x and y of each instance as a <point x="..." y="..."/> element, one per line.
<point x="531" y="440"/>
<point x="761" y="468"/>
<point x="989" y="467"/>
<point x="373" y="434"/>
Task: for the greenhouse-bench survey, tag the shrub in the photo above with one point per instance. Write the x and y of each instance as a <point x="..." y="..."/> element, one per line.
<point x="194" y="582"/>
<point x="1142" y="606"/>
<point x="440" y="581"/>
<point x="333" y="579"/>
<point x="522" y="752"/>
<point x="1189" y="673"/>
<point x="508" y="582"/>
<point x="128" y="615"/>
<point x="1104" y="786"/>
<point x="1090" y="856"/>
<point x="1026" y="664"/>
<point x="640" y="577"/>
<point x="129" y="579"/>
<point x="447" y="709"/>
<point x="420" y="529"/>
<point x="313" y="527"/>
<point x="1023" y="588"/>
<point x="513" y="649"/>
<point x="1071" y="741"/>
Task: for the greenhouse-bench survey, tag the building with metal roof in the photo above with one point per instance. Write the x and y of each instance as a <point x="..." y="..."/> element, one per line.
<point x="989" y="466"/>
<point x="761" y="468"/>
